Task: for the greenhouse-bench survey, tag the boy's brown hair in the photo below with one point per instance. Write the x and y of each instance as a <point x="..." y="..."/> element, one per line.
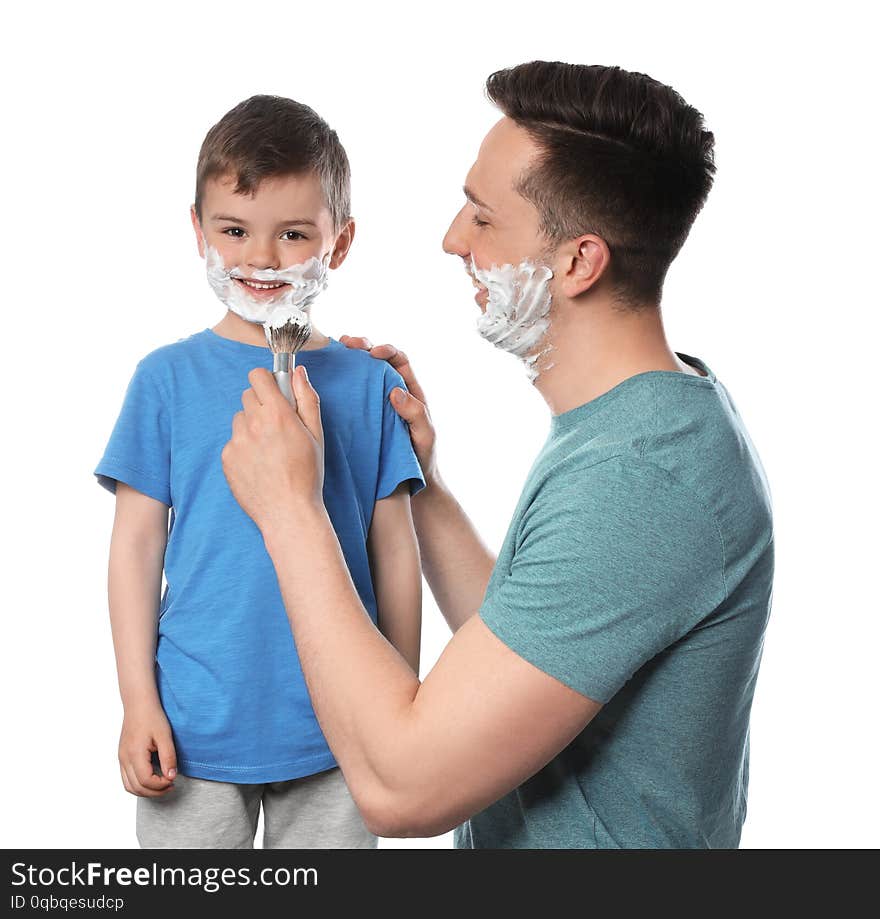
<point x="270" y="136"/>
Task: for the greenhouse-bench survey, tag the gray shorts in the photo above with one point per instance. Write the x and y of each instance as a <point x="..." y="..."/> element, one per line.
<point x="314" y="812"/>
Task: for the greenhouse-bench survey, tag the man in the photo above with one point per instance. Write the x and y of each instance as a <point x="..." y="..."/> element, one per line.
<point x="597" y="689"/>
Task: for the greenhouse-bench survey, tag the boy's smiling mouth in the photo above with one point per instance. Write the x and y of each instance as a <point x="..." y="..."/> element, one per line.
<point x="263" y="290"/>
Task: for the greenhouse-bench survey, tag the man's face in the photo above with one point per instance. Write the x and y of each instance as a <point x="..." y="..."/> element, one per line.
<point x="497" y="226"/>
<point x="284" y="223"/>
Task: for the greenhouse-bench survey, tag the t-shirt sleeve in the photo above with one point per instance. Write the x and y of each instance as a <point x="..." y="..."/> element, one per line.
<point x="139" y="450"/>
<point x="612" y="564"/>
<point x="397" y="459"/>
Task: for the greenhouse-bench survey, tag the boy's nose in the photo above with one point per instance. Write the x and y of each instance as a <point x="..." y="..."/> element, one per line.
<point x="260" y="256"/>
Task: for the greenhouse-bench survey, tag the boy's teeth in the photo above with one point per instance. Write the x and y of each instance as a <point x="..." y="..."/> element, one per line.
<point x="258" y="286"/>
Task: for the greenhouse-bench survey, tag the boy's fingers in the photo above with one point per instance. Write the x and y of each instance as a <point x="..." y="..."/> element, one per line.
<point x="136" y="788"/>
<point x="308" y="403"/>
<point x="147" y="782"/>
<point x="129" y="780"/>
<point x="125" y="783"/>
<point x="167" y="756"/>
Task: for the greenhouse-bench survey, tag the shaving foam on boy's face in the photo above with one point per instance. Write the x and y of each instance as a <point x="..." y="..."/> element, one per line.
<point x="301" y="284"/>
<point x="516" y="317"/>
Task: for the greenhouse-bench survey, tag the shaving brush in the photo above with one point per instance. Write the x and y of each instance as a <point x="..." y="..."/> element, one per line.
<point x="286" y="333"/>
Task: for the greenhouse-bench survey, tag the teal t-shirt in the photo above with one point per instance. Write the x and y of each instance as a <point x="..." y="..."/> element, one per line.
<point x="638" y="570"/>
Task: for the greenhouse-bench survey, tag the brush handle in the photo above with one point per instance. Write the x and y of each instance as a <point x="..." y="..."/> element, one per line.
<point x="282" y="377"/>
<point x="281" y="366"/>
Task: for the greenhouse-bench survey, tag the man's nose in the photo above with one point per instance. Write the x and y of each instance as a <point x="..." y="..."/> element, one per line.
<point x="455" y="242"/>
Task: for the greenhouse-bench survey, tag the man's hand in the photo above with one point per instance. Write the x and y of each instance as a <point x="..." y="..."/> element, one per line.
<point x="145" y="730"/>
<point x="411" y="406"/>
<point x="275" y="458"/>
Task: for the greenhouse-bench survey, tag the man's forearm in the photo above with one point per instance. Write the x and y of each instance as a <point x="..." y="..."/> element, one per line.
<point x="456" y="562"/>
<point x="361" y="688"/>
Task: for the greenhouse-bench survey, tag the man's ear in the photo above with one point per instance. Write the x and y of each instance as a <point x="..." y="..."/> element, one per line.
<point x="583" y="261"/>
<point x="344" y="239"/>
<point x="200" y="239"/>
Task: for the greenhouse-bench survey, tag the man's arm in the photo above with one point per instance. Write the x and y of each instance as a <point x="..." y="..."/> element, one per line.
<point x="137" y="552"/>
<point x="397" y="576"/>
<point x="456" y="562"/>
<point x="418" y="758"/>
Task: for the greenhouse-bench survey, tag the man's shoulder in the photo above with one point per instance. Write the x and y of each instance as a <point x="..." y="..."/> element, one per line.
<point x="671" y="452"/>
<point x="686" y="462"/>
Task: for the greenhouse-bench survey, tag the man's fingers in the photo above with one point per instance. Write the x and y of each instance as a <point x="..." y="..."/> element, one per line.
<point x="411" y="409"/>
<point x="264" y="386"/>
<point x="398" y="360"/>
<point x="308" y="403"/>
<point x="415" y="414"/>
<point x="354" y="341"/>
<point x="249" y="401"/>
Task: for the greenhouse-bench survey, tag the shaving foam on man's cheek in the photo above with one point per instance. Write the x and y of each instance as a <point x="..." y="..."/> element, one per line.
<point x="516" y="314"/>
<point x="304" y="282"/>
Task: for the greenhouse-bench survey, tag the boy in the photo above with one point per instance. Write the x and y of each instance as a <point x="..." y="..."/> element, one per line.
<point x="217" y="717"/>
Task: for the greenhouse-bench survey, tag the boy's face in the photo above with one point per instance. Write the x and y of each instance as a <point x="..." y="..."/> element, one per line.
<point x="284" y="223"/>
<point x="497" y="225"/>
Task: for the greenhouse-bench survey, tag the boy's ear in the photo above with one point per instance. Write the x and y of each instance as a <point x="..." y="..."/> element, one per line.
<point x="343" y="243"/>
<point x="200" y="239"/>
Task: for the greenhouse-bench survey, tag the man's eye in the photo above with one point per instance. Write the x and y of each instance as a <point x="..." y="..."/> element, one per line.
<point x="479" y="223"/>
<point x="294" y="234"/>
<point x="233" y="231"/>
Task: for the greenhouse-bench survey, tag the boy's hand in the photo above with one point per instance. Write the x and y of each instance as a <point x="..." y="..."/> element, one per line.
<point x="412" y="406"/>
<point x="146" y="731"/>
<point x="275" y="458"/>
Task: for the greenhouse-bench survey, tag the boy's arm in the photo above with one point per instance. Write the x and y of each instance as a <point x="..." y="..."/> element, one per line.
<point x="397" y="576"/>
<point x="137" y="551"/>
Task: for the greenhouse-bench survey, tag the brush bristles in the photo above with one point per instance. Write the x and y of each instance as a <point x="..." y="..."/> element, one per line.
<point x="290" y="337"/>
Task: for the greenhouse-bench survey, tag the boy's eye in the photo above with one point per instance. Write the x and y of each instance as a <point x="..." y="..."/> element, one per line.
<point x="234" y="231"/>
<point x="293" y="234"/>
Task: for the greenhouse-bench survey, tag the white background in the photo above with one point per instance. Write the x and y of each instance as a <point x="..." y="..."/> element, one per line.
<point x="105" y="107"/>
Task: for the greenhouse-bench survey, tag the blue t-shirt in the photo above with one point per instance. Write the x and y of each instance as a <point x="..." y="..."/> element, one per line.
<point x="226" y="664"/>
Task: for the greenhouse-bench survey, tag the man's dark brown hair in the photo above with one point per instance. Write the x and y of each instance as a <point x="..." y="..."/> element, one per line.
<point x="623" y="157"/>
<point x="270" y="136"/>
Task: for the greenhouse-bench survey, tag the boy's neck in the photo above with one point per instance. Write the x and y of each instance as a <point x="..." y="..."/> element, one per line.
<point x="251" y="333"/>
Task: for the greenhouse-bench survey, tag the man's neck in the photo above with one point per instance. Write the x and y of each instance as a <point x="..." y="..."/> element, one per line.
<point x="251" y="333"/>
<point x="595" y="347"/>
